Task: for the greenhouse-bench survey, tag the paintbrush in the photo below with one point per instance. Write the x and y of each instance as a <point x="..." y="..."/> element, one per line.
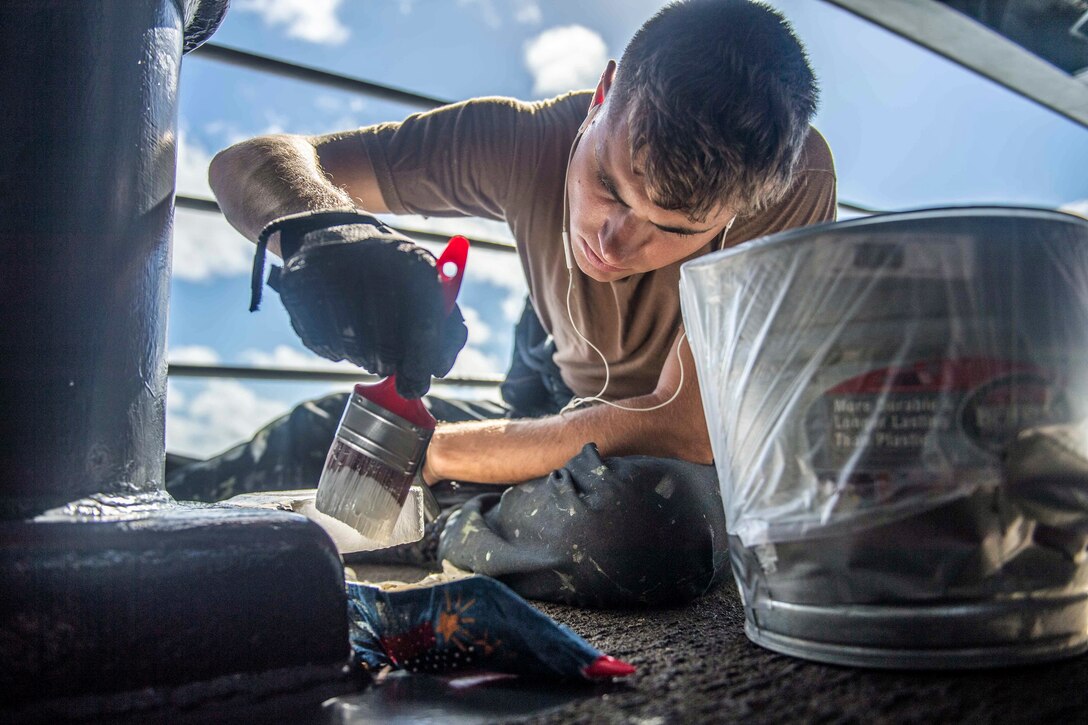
<point x="382" y="437"/>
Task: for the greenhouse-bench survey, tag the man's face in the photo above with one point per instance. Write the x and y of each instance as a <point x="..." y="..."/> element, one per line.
<point x="615" y="230"/>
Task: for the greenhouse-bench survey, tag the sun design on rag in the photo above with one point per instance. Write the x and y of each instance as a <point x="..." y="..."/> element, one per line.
<point x="452" y="620"/>
<point x="452" y="628"/>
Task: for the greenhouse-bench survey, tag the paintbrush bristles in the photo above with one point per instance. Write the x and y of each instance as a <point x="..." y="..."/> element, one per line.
<point x="361" y="491"/>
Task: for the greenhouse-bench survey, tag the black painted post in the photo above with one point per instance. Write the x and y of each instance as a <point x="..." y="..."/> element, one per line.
<point x="120" y="590"/>
<point x="86" y="205"/>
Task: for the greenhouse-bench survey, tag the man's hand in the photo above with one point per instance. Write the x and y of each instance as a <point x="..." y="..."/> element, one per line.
<point x="361" y="291"/>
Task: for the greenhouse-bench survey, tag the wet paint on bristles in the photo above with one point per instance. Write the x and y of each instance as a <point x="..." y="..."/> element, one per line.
<point x="362" y="491"/>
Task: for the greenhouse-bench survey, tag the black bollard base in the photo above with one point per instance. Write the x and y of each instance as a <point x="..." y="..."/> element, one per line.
<point x="146" y="595"/>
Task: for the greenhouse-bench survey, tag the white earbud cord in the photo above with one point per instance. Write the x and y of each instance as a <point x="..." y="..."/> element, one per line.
<point x="575" y="402"/>
<point x="568" y="255"/>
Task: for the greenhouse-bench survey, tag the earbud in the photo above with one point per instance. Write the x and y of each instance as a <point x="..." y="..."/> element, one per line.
<point x="728" y="226"/>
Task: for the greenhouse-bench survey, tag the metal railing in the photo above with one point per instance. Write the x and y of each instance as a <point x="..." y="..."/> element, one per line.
<point x="317" y="76"/>
<point x="308" y="74"/>
<point x="208" y="205"/>
<point x="275" y="66"/>
<point x="247" y="372"/>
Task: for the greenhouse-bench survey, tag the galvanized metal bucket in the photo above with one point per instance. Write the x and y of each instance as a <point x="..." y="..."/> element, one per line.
<point x="864" y="384"/>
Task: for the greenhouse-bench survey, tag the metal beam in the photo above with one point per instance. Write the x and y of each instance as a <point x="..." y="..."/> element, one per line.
<point x="857" y="208"/>
<point x="208" y="205"/>
<point x="275" y="66"/>
<point x="959" y="38"/>
<point x="196" y="203"/>
<point x="308" y="375"/>
<point x="309" y="74"/>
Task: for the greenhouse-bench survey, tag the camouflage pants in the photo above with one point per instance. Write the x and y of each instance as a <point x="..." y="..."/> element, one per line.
<point x="624" y="531"/>
<point x="289" y="452"/>
<point x="631" y="530"/>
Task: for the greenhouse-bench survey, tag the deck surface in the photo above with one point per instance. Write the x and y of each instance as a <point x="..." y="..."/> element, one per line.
<point x="696" y="665"/>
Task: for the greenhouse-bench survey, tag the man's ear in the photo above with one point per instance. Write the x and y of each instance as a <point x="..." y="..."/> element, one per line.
<point x="604" y="85"/>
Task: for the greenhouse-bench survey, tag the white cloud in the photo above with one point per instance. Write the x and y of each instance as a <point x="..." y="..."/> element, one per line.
<point x="512" y="307"/>
<point x="325" y="102"/>
<point x="471" y="227"/>
<point x="193" y="355"/>
<point x="565" y="58"/>
<point x="193" y="160"/>
<point x="479" y="332"/>
<point x="498" y="268"/>
<point x="220" y="414"/>
<point x="502" y="269"/>
<point x="472" y="362"/>
<point x="285" y="356"/>
<point x="528" y="12"/>
<point x="1077" y="207"/>
<point x="218" y="127"/>
<point x="341" y="112"/>
<point x="315" y="21"/>
<point x="275" y="123"/>
<point x="175" y="401"/>
<point x="338" y="104"/>
<point x="206" y="246"/>
<point x="231" y="133"/>
<point x="487" y="11"/>
<point x="228" y="131"/>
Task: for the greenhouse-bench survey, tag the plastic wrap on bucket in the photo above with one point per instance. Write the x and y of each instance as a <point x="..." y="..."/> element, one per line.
<point x="881" y="395"/>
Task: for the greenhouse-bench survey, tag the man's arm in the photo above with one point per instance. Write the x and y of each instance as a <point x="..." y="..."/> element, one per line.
<point x="268" y="177"/>
<point x="337" y="295"/>
<point x="506" y="451"/>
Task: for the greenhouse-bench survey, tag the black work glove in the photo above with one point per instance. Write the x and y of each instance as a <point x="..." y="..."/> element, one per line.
<point x="357" y="290"/>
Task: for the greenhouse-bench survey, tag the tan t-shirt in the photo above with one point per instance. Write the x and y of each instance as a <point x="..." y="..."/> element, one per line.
<point x="503" y="159"/>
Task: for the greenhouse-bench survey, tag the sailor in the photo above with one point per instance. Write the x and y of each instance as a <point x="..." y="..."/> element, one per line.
<point x="593" y="482"/>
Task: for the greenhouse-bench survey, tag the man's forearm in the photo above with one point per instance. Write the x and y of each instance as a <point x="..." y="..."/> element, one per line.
<point x="510" y="451"/>
<point x="259" y="180"/>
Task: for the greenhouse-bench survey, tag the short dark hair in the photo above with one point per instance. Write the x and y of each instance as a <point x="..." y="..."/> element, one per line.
<point x="718" y="95"/>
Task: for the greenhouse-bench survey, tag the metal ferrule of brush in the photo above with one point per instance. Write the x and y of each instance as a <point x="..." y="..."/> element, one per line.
<point x="382" y="435"/>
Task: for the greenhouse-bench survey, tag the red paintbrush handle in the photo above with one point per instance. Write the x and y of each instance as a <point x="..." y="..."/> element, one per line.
<point x="456" y="254"/>
<point x="384" y="393"/>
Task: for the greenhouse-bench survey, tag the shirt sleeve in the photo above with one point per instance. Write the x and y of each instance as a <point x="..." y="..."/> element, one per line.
<point x="453" y="161"/>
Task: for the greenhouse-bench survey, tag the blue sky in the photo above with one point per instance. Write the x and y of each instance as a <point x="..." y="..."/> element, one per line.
<point x="908" y="130"/>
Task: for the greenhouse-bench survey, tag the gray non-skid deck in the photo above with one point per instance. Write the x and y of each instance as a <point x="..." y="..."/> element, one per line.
<point x="696" y="665"/>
